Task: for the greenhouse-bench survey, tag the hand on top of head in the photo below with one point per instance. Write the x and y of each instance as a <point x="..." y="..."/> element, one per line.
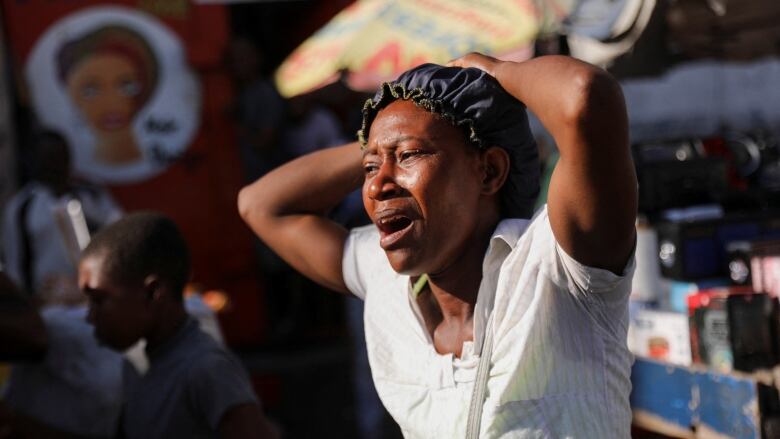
<point x="485" y="63"/>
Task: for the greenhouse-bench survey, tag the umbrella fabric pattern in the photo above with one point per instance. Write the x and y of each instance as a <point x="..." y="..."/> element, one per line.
<point x="372" y="41"/>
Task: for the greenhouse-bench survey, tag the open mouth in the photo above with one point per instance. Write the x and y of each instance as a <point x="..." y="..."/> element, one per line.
<point x="393" y="224"/>
<point x="112" y="121"/>
<point x="392" y="228"/>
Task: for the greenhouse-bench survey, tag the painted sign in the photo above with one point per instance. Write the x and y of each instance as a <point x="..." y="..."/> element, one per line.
<point x="115" y="82"/>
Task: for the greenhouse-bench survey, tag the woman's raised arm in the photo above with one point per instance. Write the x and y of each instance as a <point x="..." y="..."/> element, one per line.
<point x="287" y="209"/>
<point x="592" y="199"/>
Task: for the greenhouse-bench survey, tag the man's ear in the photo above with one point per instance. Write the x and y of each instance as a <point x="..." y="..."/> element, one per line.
<point x="495" y="162"/>
<point x="153" y="287"/>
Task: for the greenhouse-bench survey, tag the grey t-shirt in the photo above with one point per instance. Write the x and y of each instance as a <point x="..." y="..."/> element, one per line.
<point x="191" y="383"/>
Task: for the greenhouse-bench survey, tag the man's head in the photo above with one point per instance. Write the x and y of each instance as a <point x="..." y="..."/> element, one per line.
<point x="447" y="152"/>
<point x="132" y="271"/>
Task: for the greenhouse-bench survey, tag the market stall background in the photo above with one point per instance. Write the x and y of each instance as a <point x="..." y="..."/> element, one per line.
<point x="700" y="80"/>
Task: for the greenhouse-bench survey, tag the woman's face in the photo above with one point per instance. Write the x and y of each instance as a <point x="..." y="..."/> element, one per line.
<point x="422" y="188"/>
<point x="106" y="88"/>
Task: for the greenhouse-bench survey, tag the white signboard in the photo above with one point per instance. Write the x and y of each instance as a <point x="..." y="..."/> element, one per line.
<point x="115" y="82"/>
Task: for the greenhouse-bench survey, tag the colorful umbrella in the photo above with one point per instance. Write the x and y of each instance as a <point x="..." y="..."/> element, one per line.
<point x="374" y="40"/>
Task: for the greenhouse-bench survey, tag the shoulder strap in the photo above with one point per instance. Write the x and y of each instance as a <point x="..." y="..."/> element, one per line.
<point x="419" y="285"/>
<point x="480" y="383"/>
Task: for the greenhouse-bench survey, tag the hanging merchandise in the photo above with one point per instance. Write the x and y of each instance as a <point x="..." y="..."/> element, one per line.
<point x="599" y="31"/>
<point x="646" y="285"/>
<point x="661" y="335"/>
<point x="695" y="250"/>
<point x="765" y="266"/>
<point x="676" y="173"/>
<point x="724" y="29"/>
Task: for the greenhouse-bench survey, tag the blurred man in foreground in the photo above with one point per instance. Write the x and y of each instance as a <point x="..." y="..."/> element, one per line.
<point x="134" y="272"/>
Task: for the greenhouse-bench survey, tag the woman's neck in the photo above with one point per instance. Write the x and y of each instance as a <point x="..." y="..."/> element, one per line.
<point x="455" y="288"/>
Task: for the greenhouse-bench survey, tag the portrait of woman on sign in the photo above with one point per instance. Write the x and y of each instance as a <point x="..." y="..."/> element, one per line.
<point x="109" y="75"/>
<point x="116" y="82"/>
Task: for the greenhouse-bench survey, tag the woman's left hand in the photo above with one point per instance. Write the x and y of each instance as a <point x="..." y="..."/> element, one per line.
<point x="488" y="64"/>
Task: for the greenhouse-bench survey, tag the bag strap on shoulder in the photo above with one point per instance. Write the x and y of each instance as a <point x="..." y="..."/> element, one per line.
<point x="480" y="383"/>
